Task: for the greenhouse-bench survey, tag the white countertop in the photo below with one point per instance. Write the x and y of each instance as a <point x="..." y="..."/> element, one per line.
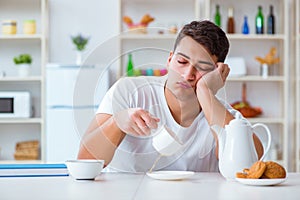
<point x="140" y="186"/>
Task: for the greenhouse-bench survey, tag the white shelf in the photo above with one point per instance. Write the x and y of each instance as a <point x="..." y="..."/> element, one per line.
<point x="21" y="161"/>
<point x="22" y="79"/>
<point x="267" y="120"/>
<point x="258" y="78"/>
<point x="132" y="36"/>
<point x="251" y="45"/>
<point x="21" y="37"/>
<point x="256" y="37"/>
<point x="21" y="120"/>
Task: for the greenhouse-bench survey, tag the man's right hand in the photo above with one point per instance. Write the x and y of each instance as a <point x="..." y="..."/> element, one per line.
<point x="136" y="121"/>
<point x="215" y="80"/>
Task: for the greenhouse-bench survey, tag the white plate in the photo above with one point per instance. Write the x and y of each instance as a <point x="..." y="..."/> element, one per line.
<point x="258" y="182"/>
<point x="170" y="175"/>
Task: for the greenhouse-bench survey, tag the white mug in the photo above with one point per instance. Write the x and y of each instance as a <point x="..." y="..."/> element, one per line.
<point x="166" y="142"/>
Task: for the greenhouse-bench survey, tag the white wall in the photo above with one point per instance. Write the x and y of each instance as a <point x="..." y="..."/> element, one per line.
<point x="95" y="18"/>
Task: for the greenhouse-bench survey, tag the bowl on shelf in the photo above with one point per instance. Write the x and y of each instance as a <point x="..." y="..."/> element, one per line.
<point x="85" y="169"/>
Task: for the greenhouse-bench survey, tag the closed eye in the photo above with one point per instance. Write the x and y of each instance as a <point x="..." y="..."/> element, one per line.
<point x="182" y="62"/>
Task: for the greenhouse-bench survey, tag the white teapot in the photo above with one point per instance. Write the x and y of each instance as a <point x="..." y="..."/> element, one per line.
<point x="236" y="146"/>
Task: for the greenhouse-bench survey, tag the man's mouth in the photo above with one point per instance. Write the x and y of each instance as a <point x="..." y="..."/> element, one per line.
<point x="184" y="84"/>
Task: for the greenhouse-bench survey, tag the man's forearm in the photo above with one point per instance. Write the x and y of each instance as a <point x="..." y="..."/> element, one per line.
<point x="213" y="109"/>
<point x="101" y="142"/>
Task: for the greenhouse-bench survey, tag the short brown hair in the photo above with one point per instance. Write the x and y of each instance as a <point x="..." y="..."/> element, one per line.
<point x="207" y="34"/>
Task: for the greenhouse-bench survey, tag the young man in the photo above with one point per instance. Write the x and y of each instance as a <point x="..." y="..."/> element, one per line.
<point x="184" y="100"/>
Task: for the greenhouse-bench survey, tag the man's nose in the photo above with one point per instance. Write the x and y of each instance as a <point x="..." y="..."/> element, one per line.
<point x="190" y="73"/>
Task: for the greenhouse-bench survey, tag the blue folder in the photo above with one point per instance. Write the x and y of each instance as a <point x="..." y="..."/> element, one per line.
<point x="33" y="170"/>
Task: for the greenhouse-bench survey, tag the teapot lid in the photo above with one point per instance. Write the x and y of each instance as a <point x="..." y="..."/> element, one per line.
<point x="238" y="122"/>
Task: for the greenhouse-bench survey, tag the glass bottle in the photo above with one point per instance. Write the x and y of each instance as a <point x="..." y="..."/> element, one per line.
<point x="230" y="22"/>
<point x="218" y="16"/>
<point x="245" y="29"/>
<point x="259" y="21"/>
<point x="130" y="65"/>
<point x="271" y="22"/>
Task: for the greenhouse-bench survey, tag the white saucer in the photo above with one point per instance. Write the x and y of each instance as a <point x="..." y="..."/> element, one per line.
<point x="170" y="175"/>
<point x="260" y="182"/>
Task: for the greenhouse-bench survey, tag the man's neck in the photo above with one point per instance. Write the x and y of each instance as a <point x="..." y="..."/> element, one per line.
<point x="183" y="112"/>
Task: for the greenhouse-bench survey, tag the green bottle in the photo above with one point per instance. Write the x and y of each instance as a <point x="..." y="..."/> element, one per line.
<point x="271" y="22"/>
<point x="259" y="21"/>
<point x="130" y="65"/>
<point x="218" y="16"/>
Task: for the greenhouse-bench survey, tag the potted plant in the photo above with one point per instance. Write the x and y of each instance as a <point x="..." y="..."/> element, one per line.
<point x="80" y="42"/>
<point x="23" y="61"/>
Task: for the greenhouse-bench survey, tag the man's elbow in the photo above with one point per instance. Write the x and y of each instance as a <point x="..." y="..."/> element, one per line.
<point x="84" y="154"/>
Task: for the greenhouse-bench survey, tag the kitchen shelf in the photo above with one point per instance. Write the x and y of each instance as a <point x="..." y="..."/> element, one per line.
<point x="22" y="37"/>
<point x="21" y="121"/>
<point x="22" y="79"/>
<point x="256" y="37"/>
<point x="267" y="120"/>
<point x="274" y="88"/>
<point x="21" y="161"/>
<point x="258" y="78"/>
<point x="15" y="130"/>
<point x="132" y="36"/>
<point x="146" y="36"/>
<point x="166" y="13"/>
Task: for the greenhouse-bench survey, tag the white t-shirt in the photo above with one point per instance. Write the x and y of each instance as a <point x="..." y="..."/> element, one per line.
<point x="136" y="154"/>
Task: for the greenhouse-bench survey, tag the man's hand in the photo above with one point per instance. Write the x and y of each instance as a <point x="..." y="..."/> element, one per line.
<point x="136" y="121"/>
<point x="215" y="80"/>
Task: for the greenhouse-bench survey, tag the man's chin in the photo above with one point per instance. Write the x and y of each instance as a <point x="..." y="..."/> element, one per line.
<point x="186" y="95"/>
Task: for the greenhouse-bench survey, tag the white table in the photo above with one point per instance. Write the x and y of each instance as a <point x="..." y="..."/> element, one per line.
<point x="139" y="186"/>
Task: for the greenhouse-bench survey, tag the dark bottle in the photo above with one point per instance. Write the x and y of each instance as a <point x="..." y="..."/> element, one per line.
<point x="130" y="65"/>
<point x="230" y="22"/>
<point x="259" y="21"/>
<point x="245" y="29"/>
<point x="271" y="22"/>
<point x="218" y="16"/>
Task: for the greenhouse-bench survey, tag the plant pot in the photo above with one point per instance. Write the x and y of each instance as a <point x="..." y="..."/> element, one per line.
<point x="23" y="70"/>
<point x="78" y="57"/>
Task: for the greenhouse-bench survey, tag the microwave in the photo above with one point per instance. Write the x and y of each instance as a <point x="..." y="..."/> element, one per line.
<point x="15" y="104"/>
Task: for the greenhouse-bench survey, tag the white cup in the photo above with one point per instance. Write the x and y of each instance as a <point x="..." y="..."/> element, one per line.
<point x="166" y="142"/>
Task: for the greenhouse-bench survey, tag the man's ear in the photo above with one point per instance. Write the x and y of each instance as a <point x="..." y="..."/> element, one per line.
<point x="169" y="58"/>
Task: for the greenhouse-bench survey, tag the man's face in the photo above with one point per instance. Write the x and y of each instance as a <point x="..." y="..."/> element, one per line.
<point x="187" y="65"/>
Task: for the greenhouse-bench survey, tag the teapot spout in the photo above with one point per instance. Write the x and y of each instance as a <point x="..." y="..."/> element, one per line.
<point x="221" y="138"/>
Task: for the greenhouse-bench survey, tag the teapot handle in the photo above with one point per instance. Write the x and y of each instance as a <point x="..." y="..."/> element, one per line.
<point x="269" y="138"/>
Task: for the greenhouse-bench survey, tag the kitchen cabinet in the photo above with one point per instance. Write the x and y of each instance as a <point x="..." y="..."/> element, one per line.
<point x="150" y="50"/>
<point x="271" y="92"/>
<point x="297" y="64"/>
<point x="15" y="130"/>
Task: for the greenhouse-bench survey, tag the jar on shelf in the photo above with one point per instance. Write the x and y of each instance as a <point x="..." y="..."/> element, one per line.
<point x="29" y="26"/>
<point x="9" y="27"/>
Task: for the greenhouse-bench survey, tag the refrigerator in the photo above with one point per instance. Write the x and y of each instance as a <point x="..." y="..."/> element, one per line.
<point x="73" y="94"/>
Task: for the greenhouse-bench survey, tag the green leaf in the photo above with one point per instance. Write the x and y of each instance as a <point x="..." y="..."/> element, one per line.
<point x="22" y="59"/>
<point x="80" y="42"/>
